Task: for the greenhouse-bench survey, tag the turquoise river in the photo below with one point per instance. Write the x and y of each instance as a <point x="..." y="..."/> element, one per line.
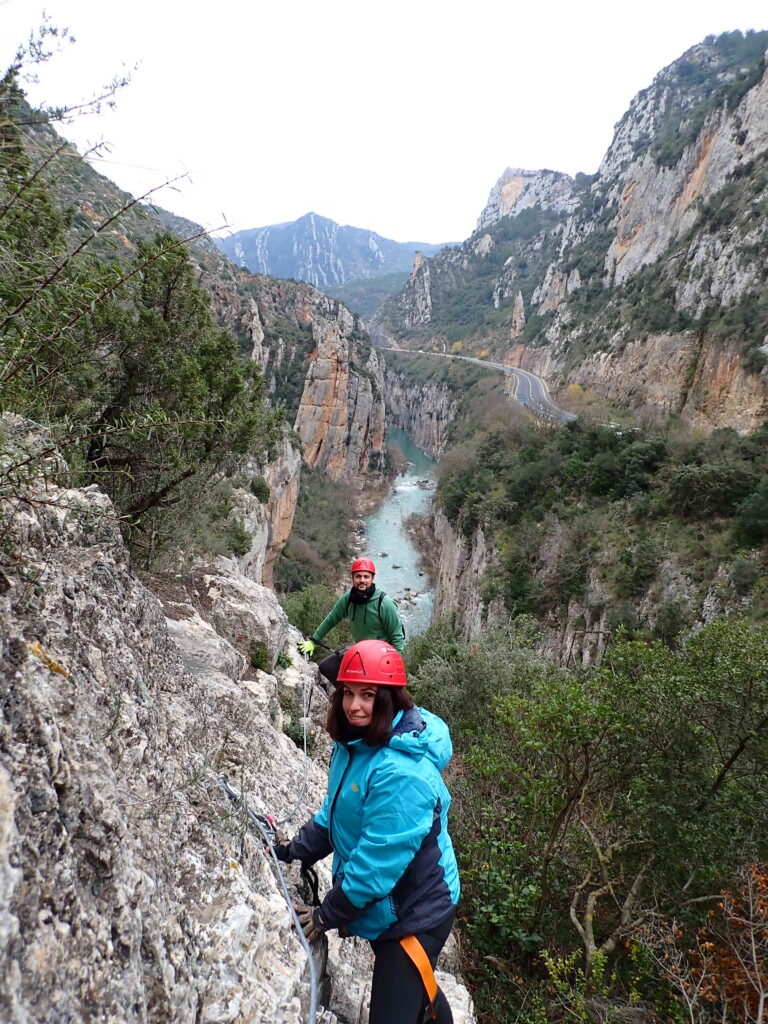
<point x="387" y="542"/>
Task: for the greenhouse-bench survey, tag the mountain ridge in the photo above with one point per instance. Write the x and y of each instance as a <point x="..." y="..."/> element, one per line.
<point x="320" y="251"/>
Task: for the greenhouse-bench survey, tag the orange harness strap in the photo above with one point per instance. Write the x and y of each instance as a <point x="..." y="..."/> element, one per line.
<point x="420" y="960"/>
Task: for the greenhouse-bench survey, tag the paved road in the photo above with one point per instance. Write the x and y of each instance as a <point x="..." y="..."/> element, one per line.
<point x="529" y="390"/>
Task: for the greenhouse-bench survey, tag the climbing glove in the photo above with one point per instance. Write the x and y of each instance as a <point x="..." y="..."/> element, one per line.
<point x="311" y="921"/>
<point x="307" y="647"/>
<point x="282" y="847"/>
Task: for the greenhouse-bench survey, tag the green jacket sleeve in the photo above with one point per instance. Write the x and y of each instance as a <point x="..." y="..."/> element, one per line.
<point x="390" y="620"/>
<point x="333" y="618"/>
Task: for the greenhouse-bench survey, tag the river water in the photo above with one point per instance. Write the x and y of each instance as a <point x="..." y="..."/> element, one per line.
<point x="388" y="544"/>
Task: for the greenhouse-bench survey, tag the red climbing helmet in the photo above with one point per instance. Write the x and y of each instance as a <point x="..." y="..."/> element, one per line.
<point x="363" y="565"/>
<point x="372" y="661"/>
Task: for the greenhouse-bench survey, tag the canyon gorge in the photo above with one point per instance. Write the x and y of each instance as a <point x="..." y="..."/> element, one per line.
<point x="131" y="889"/>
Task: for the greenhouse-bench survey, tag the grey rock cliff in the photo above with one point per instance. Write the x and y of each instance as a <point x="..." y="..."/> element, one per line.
<point x="518" y="189"/>
<point x="130" y="888"/>
<point x="424" y="411"/>
<point x="464" y="563"/>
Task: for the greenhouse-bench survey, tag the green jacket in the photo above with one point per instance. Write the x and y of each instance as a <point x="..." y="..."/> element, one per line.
<point x="377" y="619"/>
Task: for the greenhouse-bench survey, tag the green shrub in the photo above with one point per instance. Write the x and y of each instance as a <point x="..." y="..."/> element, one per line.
<point x="259" y="657"/>
<point x="744" y="575"/>
<point x="752" y="519"/>
<point x="711" y="489"/>
<point x="239" y="540"/>
<point x="260" y="489"/>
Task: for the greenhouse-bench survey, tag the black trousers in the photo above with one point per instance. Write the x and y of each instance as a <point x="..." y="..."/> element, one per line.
<point x="330" y="666"/>
<point x="397" y="992"/>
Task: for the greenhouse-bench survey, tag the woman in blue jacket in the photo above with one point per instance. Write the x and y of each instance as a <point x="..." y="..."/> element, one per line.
<point x="384" y="818"/>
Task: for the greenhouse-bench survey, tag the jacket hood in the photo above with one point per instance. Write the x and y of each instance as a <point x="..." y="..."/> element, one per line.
<point x="420" y="733"/>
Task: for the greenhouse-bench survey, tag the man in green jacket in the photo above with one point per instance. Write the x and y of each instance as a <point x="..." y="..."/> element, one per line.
<point x="372" y="615"/>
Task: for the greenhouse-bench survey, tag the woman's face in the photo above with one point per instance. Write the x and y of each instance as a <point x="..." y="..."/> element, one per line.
<point x="357" y="703"/>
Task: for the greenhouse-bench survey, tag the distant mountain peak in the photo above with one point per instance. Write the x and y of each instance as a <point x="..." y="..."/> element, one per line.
<point x="319" y="251"/>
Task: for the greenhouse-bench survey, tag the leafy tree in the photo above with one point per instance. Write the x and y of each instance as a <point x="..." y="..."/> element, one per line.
<point x="166" y="363"/>
<point x="712" y="489"/>
<point x="590" y="801"/>
<point x="122" y="363"/>
<point x="752" y="519"/>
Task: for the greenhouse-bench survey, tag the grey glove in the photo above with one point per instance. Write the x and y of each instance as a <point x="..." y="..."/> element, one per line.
<point x="281" y="846"/>
<point x="311" y="921"/>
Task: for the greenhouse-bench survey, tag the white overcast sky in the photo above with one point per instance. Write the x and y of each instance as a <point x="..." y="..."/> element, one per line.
<point x="397" y="116"/>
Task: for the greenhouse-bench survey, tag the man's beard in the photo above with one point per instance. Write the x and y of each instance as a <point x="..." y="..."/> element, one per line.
<point x="362" y="596"/>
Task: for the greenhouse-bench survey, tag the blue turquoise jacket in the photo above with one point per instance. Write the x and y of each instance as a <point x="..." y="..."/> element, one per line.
<point x="384" y="818"/>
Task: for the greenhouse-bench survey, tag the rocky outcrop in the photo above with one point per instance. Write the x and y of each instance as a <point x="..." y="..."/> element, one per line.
<point x="465" y="561"/>
<point x="130" y="887"/>
<point x="318" y="361"/>
<point x="266" y="510"/>
<point x="689" y="375"/>
<point x="341" y="414"/>
<point x="419" y="308"/>
<point x="465" y="590"/>
<point x="518" y="189"/>
<point x="424" y="411"/>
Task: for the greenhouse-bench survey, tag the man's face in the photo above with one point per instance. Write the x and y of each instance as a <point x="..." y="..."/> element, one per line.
<point x="362" y="580"/>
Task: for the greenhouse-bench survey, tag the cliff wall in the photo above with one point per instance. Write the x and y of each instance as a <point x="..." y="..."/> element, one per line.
<point x="688" y="374"/>
<point x="317" y="359"/>
<point x="267" y="521"/>
<point x="424" y="411"/>
<point x="130" y="888"/>
<point x="464" y="563"/>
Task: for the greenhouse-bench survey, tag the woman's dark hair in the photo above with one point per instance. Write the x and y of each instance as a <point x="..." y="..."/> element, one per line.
<point x="389" y="700"/>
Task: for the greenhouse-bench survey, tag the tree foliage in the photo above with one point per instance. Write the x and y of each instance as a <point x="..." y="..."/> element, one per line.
<point x="590" y="803"/>
<point x="121" y="362"/>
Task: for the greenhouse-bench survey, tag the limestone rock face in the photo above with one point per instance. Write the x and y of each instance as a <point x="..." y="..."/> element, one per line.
<point x="518" y="189"/>
<point x="698" y="378"/>
<point x="131" y="888"/>
<point x="424" y="412"/>
<point x="318" y="361"/>
<point x="467" y="562"/>
<point x="657" y="203"/>
<point x="464" y="562"/>
<point x="341" y="414"/>
<point x="268" y="522"/>
<point x="419" y="309"/>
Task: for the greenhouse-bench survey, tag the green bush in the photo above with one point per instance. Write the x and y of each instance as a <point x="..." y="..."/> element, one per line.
<point x="259" y="657"/>
<point x="752" y="519"/>
<point x="600" y="795"/>
<point x="708" y="490"/>
<point x="239" y="540"/>
<point x="744" y="575"/>
<point x="260" y="489"/>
